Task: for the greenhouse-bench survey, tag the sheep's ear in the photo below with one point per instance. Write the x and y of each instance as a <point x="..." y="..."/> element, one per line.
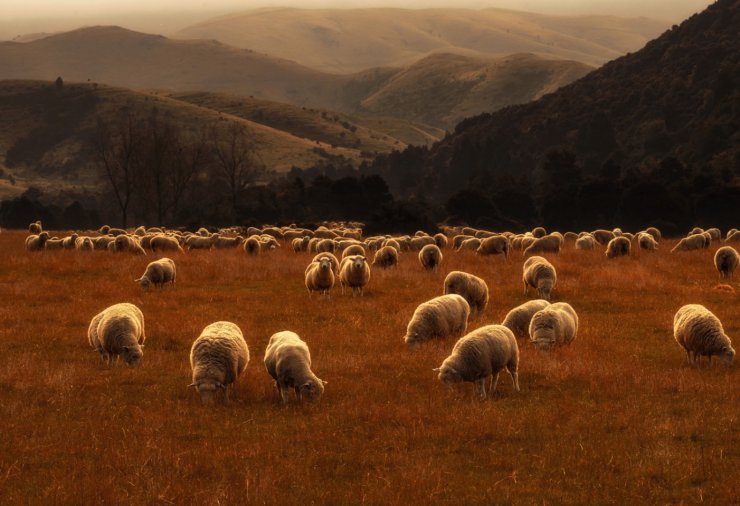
<point x="324" y="382"/>
<point x="437" y="369"/>
<point x="193" y="385"/>
<point x="141" y="346"/>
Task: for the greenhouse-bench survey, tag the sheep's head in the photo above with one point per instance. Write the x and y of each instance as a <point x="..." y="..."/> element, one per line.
<point x="358" y="262"/>
<point x="727" y="355"/>
<point x="324" y="264"/>
<point x="544" y="287"/>
<point x="132" y="355"/>
<point x="448" y="374"/>
<point x="312" y="390"/>
<point x="144" y="282"/>
<point x="543" y="330"/>
<point x="208" y="390"/>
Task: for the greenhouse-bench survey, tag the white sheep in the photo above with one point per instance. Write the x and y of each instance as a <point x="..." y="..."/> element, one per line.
<point x="480" y="354"/>
<point x="726" y="261"/>
<point x="517" y="320"/>
<point x="385" y="257"/>
<point x="218" y="356"/>
<point x="430" y="256"/>
<point x="288" y="361"/>
<point x="472" y="288"/>
<point x="439" y="318"/>
<point x="118" y="331"/>
<point x="37" y="242"/>
<point x="555" y="325"/>
<point x="354" y="272"/>
<point x="586" y="242"/>
<point x="618" y="247"/>
<point x="164" y="243"/>
<point x="158" y="273"/>
<point x="494" y="245"/>
<point x="540" y="274"/>
<point x="319" y="276"/>
<point x="700" y="332"/>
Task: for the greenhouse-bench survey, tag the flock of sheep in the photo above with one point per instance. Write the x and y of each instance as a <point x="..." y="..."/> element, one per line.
<point x="220" y="354"/>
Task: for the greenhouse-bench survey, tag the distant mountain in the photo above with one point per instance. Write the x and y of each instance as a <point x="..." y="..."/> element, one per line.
<point x="351" y="40"/>
<point x="667" y="115"/>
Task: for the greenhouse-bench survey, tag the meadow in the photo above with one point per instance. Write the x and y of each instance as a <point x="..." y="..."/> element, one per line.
<point x="618" y="417"/>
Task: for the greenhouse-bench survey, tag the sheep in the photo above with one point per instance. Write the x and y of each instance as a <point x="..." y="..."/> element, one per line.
<point x="439" y="318"/>
<point x="35" y="228"/>
<point x="482" y="353"/>
<point x="540" y="274"/>
<point x="714" y="233"/>
<point x="726" y="260"/>
<point x="494" y="245"/>
<point x="430" y="257"/>
<point x="217" y="358"/>
<point x="471" y="244"/>
<point x="54" y="243"/>
<point x="586" y="242"/>
<point x="707" y="239"/>
<point x="203" y="232"/>
<point x="459" y="239"/>
<point x="570" y="236"/>
<point x="118" y="331"/>
<point x="332" y="260"/>
<point x="690" y="243"/>
<point x="354" y="272"/>
<point x="102" y="242"/>
<point x="733" y="236"/>
<point x="252" y="246"/>
<point x="603" y="236"/>
<point x="127" y="243"/>
<point x="158" y="273"/>
<point x="440" y="240"/>
<point x="70" y="241"/>
<point x="618" y="247"/>
<point x="198" y="242"/>
<point x="417" y="243"/>
<point x="84" y="244"/>
<point x="288" y="361"/>
<point x="228" y="242"/>
<point x="115" y="232"/>
<point x="326" y="245"/>
<point x="385" y="257"/>
<point x="539" y="232"/>
<point x="140" y="231"/>
<point x="547" y="244"/>
<point x="319" y="276"/>
<point x="655" y="233"/>
<point x="617" y="232"/>
<point x="472" y="288"/>
<point x="37" y="242"/>
<point x="555" y="325"/>
<point x="700" y="332"/>
<point x="164" y="243"/>
<point x="695" y="231"/>
<point x="647" y="241"/>
<point x="354" y="249"/>
<point x="517" y="320"/>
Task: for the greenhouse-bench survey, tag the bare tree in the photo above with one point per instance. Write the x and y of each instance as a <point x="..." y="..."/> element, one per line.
<point x="191" y="156"/>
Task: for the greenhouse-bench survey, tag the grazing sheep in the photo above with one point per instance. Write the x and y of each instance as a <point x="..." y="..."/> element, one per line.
<point x="319" y="276"/>
<point x="54" y="243"/>
<point x="158" y="273"/>
<point x="37" y="242"/>
<point x="547" y="244"/>
<point x="118" y="331"/>
<point x="695" y="230"/>
<point x="459" y="239"/>
<point x="471" y="244"/>
<point x="393" y="244"/>
<point x="555" y="325"/>
<point x="603" y="236"/>
<point x="386" y="257"/>
<point x="102" y="242"/>
<point x="517" y="320"/>
<point x="714" y="233"/>
<point x="618" y="247"/>
<point x="84" y="244"/>
<point x="539" y="232"/>
<point x="354" y="249"/>
<point x="69" y="242"/>
<point x="199" y="242"/>
<point x="140" y="231"/>
<point x="540" y="274"/>
<point x="430" y="257"/>
<point x="218" y="356"/>
<point x="655" y="233"/>
<point x="35" y="228"/>
<point x="354" y="272"/>
<point x="164" y="243"/>
<point x="326" y="246"/>
<point x="570" y="236"/>
<point x="252" y="246"/>
<point x="128" y="244"/>
<point x="115" y="232"/>
<point x="472" y="288"/>
<point x="693" y="242"/>
<point x="726" y="261"/>
<point x="494" y="245"/>
<point x="417" y="243"/>
<point x="482" y="353"/>
<point x="733" y="236"/>
<point x="586" y="242"/>
<point x="228" y="242"/>
<point x="439" y="318"/>
<point x="288" y="361"/>
<point x="647" y="241"/>
<point x="700" y="333"/>
<point x="440" y="240"/>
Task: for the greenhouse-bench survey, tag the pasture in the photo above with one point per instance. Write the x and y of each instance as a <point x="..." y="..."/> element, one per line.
<point x="618" y="417"/>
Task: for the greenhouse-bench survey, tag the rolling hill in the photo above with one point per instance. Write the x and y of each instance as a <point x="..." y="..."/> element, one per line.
<point x="352" y="40"/>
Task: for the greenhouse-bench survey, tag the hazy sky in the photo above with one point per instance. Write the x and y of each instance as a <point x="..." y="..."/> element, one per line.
<point x="165" y="16"/>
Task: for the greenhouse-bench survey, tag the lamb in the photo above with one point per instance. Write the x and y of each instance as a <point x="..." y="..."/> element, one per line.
<point x="586" y="242"/>
<point x="618" y="247"/>
<point x="603" y="236"/>
<point x="218" y="356"/>
<point x="354" y="272"/>
<point x="540" y="274"/>
<point x="647" y="241"/>
<point x="386" y="257"/>
<point x="726" y="261"/>
<point x="319" y="276"/>
<point x="118" y="331"/>
<point x="517" y="320"/>
<point x="288" y="361"/>
<point x="165" y="243"/>
<point x="430" y="257"/>
<point x="35" y="228"/>
<point x="555" y="325"/>
<point x="440" y="240"/>
<point x="547" y="244"/>
<point x="158" y="273"/>
<point x="354" y="249"/>
<point x="494" y="245"/>
<point x="482" y="353"/>
<point x="37" y="242"/>
<point x="700" y="332"/>
<point x="441" y="317"/>
<point x="693" y="242"/>
<point x="472" y="288"/>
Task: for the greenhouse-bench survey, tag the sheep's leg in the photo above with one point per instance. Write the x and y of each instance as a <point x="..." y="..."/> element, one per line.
<point x="514" y="378"/>
<point x="480" y="385"/>
<point x="525" y="288"/>
<point x="688" y="356"/>
<point x="226" y="394"/>
<point x="284" y="394"/>
<point x="494" y="382"/>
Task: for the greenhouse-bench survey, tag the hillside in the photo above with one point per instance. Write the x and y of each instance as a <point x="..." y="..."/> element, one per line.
<point x="351" y="40"/>
<point x="442" y="89"/>
<point x="46" y="134"/>
<point x="667" y="116"/>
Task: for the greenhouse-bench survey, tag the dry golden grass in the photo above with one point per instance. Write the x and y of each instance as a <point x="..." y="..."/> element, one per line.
<point x="617" y="418"/>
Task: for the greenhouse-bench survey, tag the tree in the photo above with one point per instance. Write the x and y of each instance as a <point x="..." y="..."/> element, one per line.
<point x="59" y="83"/>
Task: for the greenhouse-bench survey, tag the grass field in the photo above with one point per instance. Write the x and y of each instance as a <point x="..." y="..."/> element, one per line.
<point x="616" y="418"/>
